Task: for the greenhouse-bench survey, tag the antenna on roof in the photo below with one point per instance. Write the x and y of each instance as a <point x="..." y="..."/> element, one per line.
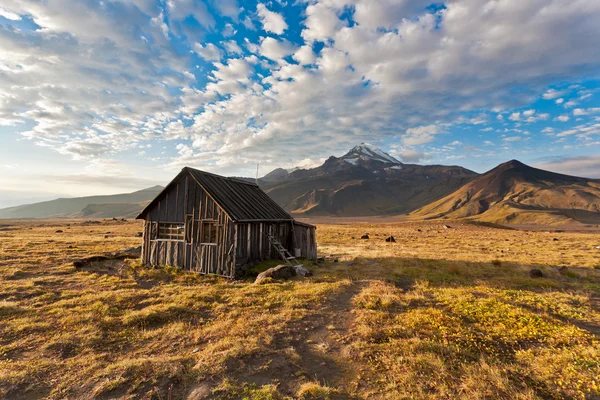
<point x="257" y="173"/>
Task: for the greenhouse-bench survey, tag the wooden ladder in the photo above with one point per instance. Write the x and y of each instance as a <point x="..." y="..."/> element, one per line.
<point x="283" y="252"/>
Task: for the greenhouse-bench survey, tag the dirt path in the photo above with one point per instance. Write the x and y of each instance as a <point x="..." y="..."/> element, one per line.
<point x="314" y="349"/>
<point x="323" y="340"/>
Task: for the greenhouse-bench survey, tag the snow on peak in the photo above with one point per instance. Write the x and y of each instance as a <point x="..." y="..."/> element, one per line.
<point x="366" y="151"/>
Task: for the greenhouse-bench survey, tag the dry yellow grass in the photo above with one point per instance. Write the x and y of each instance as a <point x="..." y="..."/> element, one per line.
<point x="442" y="313"/>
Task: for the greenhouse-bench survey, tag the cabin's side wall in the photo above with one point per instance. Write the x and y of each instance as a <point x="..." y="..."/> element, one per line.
<point x="253" y="244"/>
<point x="186" y="203"/>
<point x="306" y="241"/>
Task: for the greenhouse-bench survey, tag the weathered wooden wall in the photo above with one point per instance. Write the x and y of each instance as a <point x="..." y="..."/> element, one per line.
<point x="187" y="203"/>
<point x="254" y="237"/>
<point x="306" y="240"/>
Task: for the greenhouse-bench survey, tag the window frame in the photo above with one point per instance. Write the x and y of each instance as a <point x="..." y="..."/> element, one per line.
<point x="213" y="223"/>
<point x="178" y="237"/>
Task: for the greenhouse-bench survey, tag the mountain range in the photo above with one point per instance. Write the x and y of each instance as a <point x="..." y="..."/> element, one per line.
<point x="124" y="205"/>
<point x="366" y="181"/>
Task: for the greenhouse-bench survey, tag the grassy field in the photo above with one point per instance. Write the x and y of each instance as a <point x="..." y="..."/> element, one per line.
<point x="441" y="313"/>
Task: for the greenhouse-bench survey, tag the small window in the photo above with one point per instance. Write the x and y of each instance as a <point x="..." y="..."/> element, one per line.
<point x="170" y="231"/>
<point x="209" y="232"/>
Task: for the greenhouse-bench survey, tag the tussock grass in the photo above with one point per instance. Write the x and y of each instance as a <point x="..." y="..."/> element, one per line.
<point x="442" y="313"/>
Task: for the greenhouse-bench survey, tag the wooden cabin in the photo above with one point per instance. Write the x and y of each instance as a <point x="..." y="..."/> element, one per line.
<point x="217" y="225"/>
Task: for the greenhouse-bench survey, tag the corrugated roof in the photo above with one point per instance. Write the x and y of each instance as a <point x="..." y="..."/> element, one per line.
<point x="241" y="200"/>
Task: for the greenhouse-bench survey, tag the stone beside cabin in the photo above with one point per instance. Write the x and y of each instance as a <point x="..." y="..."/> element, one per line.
<point x="217" y="225"/>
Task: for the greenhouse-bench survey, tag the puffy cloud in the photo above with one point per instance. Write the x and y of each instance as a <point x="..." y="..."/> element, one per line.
<point x="305" y="55"/>
<point x="420" y="135"/>
<point x="562" y="118"/>
<point x="271" y="21"/>
<point x="553" y="94"/>
<point x="276" y="49"/>
<point x="232" y="47"/>
<point x="181" y="9"/>
<point x="209" y="51"/>
<point x="321" y="22"/>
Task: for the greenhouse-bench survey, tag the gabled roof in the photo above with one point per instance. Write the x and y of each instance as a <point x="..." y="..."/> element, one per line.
<point x="241" y="200"/>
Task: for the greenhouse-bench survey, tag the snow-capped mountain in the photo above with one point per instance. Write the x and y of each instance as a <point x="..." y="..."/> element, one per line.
<point x="368" y="152"/>
<point x="365" y="181"/>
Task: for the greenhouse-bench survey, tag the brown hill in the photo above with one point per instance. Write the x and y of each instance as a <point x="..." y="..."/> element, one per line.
<point x="515" y="193"/>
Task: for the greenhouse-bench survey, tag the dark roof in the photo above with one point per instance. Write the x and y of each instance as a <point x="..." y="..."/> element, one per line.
<point x="241" y="200"/>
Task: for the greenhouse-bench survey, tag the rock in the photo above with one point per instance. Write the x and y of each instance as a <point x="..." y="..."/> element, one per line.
<point x="278" y="272"/>
<point x="418" y="230"/>
<point x="58" y="231"/>
<point x="391" y="239"/>
<point x="536" y="273"/>
<point x="132" y="250"/>
<point x="139" y="234"/>
<point x="301" y="271"/>
<point x="321" y="259"/>
<point x="563" y="270"/>
<point x="365" y="236"/>
<point x="447" y="226"/>
<point x="105" y="236"/>
<point x="351" y="263"/>
<point x="555" y="240"/>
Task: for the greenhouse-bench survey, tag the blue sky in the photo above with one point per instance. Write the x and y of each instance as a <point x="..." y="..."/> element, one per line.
<point x="116" y="95"/>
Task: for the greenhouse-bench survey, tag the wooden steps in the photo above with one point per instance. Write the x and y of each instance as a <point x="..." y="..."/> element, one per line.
<point x="283" y="252"/>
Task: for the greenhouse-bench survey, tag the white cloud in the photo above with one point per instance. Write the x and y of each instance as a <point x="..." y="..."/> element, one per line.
<point x="321" y="22"/>
<point x="562" y="118"/>
<point x="559" y="101"/>
<point x="420" y="135"/>
<point x="272" y="21"/>
<point x="276" y="49"/>
<point x="516" y="116"/>
<point x="528" y="113"/>
<point x="209" y="51"/>
<point x="9" y="15"/>
<point x="552" y="94"/>
<point x="305" y="55"/>
<point x="581" y="111"/>
<point x="232" y="47"/>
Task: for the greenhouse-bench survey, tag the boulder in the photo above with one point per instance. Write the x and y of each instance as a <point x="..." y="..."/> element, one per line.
<point x="132" y="250"/>
<point x="365" y="236"/>
<point x="563" y="270"/>
<point x="58" y="231"/>
<point x="447" y="227"/>
<point x="391" y="239"/>
<point x="278" y="272"/>
<point x="139" y="234"/>
<point x="536" y="273"/>
<point x="301" y="271"/>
